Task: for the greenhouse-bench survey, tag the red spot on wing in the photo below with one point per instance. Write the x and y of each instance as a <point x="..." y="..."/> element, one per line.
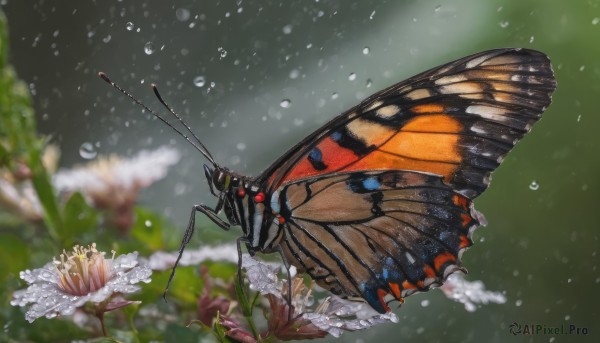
<point x="334" y="157"/>
<point x="381" y="293"/>
<point x="443" y="258"/>
<point x="464" y="242"/>
<point x="395" y="288"/>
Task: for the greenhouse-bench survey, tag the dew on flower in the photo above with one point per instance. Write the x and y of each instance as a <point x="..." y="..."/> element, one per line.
<point x="80" y="276"/>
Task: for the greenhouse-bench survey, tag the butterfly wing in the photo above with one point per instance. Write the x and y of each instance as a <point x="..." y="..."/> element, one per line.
<point x="457" y="121"/>
<point x="370" y="234"/>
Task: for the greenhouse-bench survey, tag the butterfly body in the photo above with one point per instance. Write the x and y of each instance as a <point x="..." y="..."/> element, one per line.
<point x="377" y="203"/>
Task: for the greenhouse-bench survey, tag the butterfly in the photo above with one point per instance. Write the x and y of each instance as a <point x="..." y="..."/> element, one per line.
<point x="377" y="204"/>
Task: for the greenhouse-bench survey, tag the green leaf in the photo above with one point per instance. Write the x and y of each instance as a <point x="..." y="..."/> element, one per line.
<point x="14" y="256"/>
<point x="148" y="229"/>
<point x="18" y="134"/>
<point x="79" y="218"/>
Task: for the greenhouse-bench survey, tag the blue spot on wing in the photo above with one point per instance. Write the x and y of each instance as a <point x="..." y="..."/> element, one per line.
<point x="336" y="136"/>
<point x="316" y="154"/>
<point x="315" y="157"/>
<point x="371" y="184"/>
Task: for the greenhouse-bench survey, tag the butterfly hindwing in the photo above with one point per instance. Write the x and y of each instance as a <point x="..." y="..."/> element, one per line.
<point x="370" y="234"/>
<point x="457" y="121"/>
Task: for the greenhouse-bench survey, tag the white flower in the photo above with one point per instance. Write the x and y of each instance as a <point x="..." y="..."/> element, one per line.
<point x="333" y="315"/>
<point x="164" y="260"/>
<point x="113" y="183"/>
<point x="469" y="293"/>
<point x="105" y="174"/>
<point x="82" y="276"/>
<point x="21" y="198"/>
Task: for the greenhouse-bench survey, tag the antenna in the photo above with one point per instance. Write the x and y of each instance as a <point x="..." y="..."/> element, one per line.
<point x="196" y="143"/>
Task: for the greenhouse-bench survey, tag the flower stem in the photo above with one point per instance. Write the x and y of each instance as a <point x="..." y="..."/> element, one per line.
<point x="100" y="316"/>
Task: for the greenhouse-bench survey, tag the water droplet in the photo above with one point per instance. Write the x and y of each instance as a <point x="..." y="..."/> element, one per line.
<point x="595" y="21"/>
<point x="567" y="317"/>
<point x="222" y="52"/>
<point x="106" y="39"/>
<point x="182" y="14"/>
<point x="287" y="29"/>
<point x="212" y="85"/>
<point x="369" y="83"/>
<point x="241" y="146"/>
<point x="129" y="26"/>
<point x="149" y="48"/>
<point x="87" y="151"/>
<point x="504" y="24"/>
<point x="372" y="15"/>
<point x="437" y="8"/>
<point x="582" y="68"/>
<point x="366" y="50"/>
<point x="199" y="81"/>
<point x="309" y="45"/>
<point x="285" y="103"/>
<point x="148" y="223"/>
<point x="531" y="39"/>
<point x="294" y="74"/>
<point x="334" y="96"/>
<point x="519" y="302"/>
<point x="534" y="186"/>
<point x="425" y="303"/>
<point x="309" y="301"/>
<point x="579" y="118"/>
<point x="352" y="77"/>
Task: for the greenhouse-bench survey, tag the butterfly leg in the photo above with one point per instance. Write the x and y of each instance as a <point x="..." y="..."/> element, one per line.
<point x="289" y="281"/>
<point x="187" y="236"/>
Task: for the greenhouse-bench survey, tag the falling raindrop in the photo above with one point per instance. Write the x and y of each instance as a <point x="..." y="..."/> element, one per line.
<point x="87" y="151"/>
<point x="504" y="24"/>
<point x="334" y="96"/>
<point x="366" y="50"/>
<point x="531" y="39"/>
<point x="106" y="39"/>
<point x="148" y="223"/>
<point x="372" y="15"/>
<point x="182" y="14"/>
<point x="534" y="186"/>
<point x="149" y="48"/>
<point x="369" y="83"/>
<point x="129" y="26"/>
<point x="287" y="29"/>
<point x="595" y="21"/>
<point x="222" y="52"/>
<point x="199" y="81"/>
<point x="294" y="74"/>
<point x="241" y="146"/>
<point x="285" y="103"/>
<point x="352" y="76"/>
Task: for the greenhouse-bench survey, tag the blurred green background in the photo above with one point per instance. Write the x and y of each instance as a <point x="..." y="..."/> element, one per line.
<point x="540" y="247"/>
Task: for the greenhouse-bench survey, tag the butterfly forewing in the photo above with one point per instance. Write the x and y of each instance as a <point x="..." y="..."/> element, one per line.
<point x="457" y="121"/>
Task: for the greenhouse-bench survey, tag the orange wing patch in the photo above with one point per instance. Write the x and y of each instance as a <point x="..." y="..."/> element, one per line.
<point x="426" y="143"/>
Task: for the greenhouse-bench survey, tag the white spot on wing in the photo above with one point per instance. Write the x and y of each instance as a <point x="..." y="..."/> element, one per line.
<point x="387" y="111"/>
<point x="410" y="257"/>
<point x="374" y="105"/>
<point x="418" y="94"/>
<point x="476" y="61"/>
<point x="488" y="112"/>
<point x="451" y="79"/>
